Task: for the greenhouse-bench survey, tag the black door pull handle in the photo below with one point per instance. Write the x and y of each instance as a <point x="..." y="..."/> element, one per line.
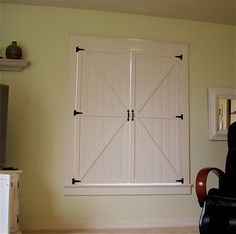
<point x="132" y="118"/>
<point x="127" y="115"/>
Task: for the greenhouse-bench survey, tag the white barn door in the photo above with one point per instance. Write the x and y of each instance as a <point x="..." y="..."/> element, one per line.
<point x="130" y="114"/>
<point x="157" y="129"/>
<point x="101" y="131"/>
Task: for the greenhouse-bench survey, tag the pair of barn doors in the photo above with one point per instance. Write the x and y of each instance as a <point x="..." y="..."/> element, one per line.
<point x="130" y="113"/>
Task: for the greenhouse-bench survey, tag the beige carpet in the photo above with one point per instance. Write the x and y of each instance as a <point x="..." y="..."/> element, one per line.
<point x="184" y="230"/>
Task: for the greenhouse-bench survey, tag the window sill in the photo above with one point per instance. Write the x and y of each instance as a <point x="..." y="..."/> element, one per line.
<point x="127" y="189"/>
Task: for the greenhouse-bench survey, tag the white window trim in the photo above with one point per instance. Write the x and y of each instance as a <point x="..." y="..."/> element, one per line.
<point x="128" y="189"/>
<point x="125" y="188"/>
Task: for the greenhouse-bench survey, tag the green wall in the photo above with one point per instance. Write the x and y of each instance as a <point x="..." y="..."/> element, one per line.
<point x="38" y="105"/>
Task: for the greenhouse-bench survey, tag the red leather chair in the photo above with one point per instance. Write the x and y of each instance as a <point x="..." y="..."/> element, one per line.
<point x="218" y="215"/>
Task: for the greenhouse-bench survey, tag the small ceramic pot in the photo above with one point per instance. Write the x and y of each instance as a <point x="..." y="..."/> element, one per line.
<point x="13" y="51"/>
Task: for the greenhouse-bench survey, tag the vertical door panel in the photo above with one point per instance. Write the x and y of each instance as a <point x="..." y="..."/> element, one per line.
<point x="101" y="132"/>
<point x="157" y="104"/>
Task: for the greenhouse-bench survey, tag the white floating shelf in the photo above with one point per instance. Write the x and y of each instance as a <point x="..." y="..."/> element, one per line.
<point x="13" y="64"/>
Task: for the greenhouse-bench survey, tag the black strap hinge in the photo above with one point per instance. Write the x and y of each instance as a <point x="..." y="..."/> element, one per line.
<point x="78" y="49"/>
<point x="180" y="116"/>
<point x="77" y="113"/>
<point x="180" y="181"/>
<point x="75" y="181"/>
<point x="179" y="56"/>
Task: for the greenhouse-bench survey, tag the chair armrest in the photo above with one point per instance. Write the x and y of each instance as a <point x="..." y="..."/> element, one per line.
<point x="201" y="182"/>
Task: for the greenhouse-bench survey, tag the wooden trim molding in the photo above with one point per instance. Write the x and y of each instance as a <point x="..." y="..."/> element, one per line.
<point x="178" y="226"/>
<point x="178" y="230"/>
<point x="128" y="189"/>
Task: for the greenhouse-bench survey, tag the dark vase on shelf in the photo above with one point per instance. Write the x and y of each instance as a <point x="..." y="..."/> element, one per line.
<point x="13" y="51"/>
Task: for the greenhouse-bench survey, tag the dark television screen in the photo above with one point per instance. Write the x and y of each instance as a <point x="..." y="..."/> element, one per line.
<point x="4" y="91"/>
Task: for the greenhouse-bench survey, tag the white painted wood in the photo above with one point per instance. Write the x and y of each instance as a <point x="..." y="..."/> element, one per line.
<point x="103" y="98"/>
<point x="127" y="189"/>
<point x="157" y="128"/>
<point x="121" y="226"/>
<point x="115" y="75"/>
<point x="4" y="203"/>
<point x="14" y="177"/>
<point x="13" y="64"/>
<point x="214" y="94"/>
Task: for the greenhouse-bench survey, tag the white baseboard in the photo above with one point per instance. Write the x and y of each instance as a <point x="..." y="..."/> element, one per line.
<point x="122" y="224"/>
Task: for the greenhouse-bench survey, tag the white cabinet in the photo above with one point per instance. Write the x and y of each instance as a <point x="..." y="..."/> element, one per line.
<point x="131" y="124"/>
<point x="12" y="191"/>
<point x="4" y="203"/>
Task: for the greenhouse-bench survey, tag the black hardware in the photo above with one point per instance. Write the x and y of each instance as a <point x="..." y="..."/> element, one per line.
<point x="181" y="180"/>
<point x="179" y="56"/>
<point x="78" y="49"/>
<point x="132" y="115"/>
<point x="9" y="168"/>
<point x="127" y="115"/>
<point x="180" y="116"/>
<point x="17" y="219"/>
<point x="75" y="181"/>
<point x="77" y="113"/>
